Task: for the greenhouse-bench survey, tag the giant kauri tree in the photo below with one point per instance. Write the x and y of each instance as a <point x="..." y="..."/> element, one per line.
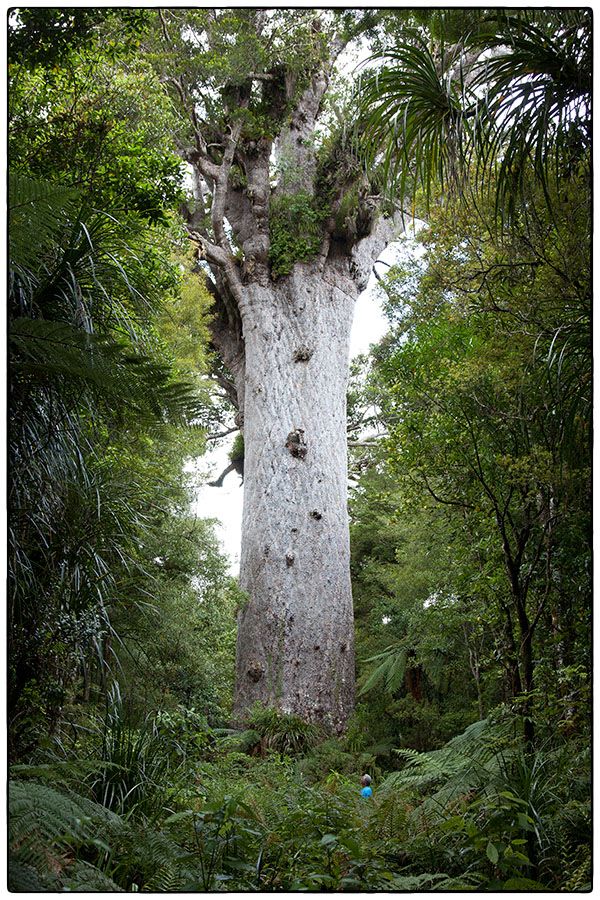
<point x="288" y="227"/>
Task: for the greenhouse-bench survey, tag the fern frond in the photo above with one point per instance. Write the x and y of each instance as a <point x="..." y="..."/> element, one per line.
<point x="49" y="349"/>
<point x="156" y="858"/>
<point x="422" y="882"/>
<point x="390" y="671"/>
<point x="37" y="214"/>
<point x="45" y="826"/>
<point x="167" y="879"/>
<point x="85" y="877"/>
<point x="65" y="773"/>
<point x="39" y="815"/>
<point x="25" y="879"/>
<point x="469" y="761"/>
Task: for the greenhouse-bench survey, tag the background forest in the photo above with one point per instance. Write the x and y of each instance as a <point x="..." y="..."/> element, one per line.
<point x="470" y="457"/>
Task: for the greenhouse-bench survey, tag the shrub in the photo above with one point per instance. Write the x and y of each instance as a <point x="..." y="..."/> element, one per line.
<point x="282" y="732"/>
<point x="296" y="223"/>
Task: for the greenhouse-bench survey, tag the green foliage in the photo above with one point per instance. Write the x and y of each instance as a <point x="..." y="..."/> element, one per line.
<point x="46" y="827"/>
<point x="483" y="422"/>
<point x="500" y="806"/>
<point x="179" y="648"/>
<point x="282" y="732"/>
<point x="135" y="773"/>
<point x="504" y="94"/>
<point x="484" y="389"/>
<point x="296" y="231"/>
<point x="338" y="758"/>
<point x="90" y="359"/>
<point x="81" y="371"/>
<point x="237" y="448"/>
<point x="39" y="36"/>
<point x="416" y="110"/>
<point x="477" y="813"/>
<point x="100" y="124"/>
<point x="423" y="649"/>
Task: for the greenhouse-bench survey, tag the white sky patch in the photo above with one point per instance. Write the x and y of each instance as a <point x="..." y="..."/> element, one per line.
<point x="438" y="596"/>
<point x="223" y="504"/>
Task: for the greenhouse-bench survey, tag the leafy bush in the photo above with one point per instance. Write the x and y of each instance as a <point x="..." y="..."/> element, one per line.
<point x="136" y="774"/>
<point x="185" y="732"/>
<point x="296" y="231"/>
<point x="331" y="756"/>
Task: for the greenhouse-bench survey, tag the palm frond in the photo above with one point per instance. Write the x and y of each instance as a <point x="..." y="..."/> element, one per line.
<point x="415" y="114"/>
<point x="521" y="105"/>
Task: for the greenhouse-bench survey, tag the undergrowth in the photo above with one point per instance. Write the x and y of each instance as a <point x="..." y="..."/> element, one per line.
<point x="286" y="813"/>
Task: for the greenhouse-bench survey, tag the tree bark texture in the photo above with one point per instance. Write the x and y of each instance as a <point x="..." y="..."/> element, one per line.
<point x="295" y="640"/>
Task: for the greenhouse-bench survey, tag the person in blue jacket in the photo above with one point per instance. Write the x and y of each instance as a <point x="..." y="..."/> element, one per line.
<point x="366" y="791"/>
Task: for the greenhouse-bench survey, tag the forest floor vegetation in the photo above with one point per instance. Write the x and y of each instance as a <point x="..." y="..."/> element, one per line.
<point x="175" y="805"/>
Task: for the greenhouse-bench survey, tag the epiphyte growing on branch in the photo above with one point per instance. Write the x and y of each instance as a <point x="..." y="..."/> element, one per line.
<point x="296" y="444"/>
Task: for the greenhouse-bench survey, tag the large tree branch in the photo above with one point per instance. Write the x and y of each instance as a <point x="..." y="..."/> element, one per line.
<point x="220" y="188"/>
<point x="367" y="250"/>
<point x="218" y="257"/>
<point x="221" y="434"/>
<point x="295" y="150"/>
<point x="232" y="467"/>
<point x="227" y="337"/>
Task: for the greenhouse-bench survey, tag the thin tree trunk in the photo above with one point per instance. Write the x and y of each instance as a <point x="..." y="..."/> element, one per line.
<point x="295" y="639"/>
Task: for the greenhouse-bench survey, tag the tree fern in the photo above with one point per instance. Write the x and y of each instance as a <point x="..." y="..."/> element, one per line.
<point x="389" y="673"/>
<point x="153" y="859"/>
<point x="48" y="350"/>
<point x="468" y="761"/>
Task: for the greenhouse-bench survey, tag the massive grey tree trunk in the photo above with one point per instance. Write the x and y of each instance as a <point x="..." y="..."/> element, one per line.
<point x="284" y="342"/>
<point x="295" y="639"/>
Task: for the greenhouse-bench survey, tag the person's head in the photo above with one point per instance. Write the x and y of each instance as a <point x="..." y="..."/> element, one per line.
<point x="365" y="780"/>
